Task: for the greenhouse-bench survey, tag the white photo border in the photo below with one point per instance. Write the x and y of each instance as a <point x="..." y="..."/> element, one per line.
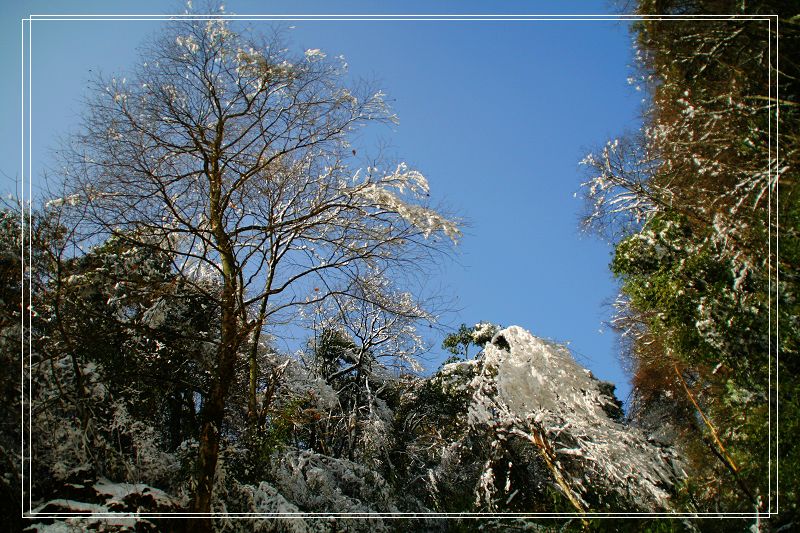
<point x="26" y="170"/>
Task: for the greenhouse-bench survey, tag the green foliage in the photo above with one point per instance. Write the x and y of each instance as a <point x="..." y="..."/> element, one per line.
<point x="458" y="343"/>
<point x="429" y="416"/>
<point x="699" y="302"/>
<point x="699" y="275"/>
<point x="257" y="447"/>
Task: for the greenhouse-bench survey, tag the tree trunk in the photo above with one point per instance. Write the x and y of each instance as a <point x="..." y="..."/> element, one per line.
<point x="207" y="462"/>
<point x="213" y="415"/>
<point x="252" y="403"/>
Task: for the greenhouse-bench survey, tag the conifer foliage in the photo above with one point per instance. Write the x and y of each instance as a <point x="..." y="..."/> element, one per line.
<point x="699" y="204"/>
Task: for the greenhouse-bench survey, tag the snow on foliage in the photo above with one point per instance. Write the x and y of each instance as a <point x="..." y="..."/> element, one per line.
<point x="265" y="500"/>
<point x="318" y="482"/>
<point x="483" y="332"/>
<point x="532" y="388"/>
<point x="297" y="382"/>
<point x="382" y="193"/>
<point x="314" y="54"/>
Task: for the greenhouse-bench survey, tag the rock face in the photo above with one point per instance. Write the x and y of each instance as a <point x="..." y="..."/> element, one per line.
<point x="533" y="389"/>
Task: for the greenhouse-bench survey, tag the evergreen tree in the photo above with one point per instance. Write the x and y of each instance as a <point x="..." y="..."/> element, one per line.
<point x="691" y="203"/>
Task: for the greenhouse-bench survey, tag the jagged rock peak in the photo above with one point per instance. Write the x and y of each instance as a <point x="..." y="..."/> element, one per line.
<point x="533" y="388"/>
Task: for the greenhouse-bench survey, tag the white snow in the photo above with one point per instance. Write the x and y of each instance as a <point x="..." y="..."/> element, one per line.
<point x="314" y="54"/>
<point x="118" y="491"/>
<point x="534" y="388"/>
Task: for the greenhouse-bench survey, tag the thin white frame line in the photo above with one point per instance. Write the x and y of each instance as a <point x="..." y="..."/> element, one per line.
<point x="30" y="256"/>
<point x="22" y="253"/>
<point x="403" y="515"/>
<point x="333" y="17"/>
<point x="391" y="17"/>
<point x="279" y="18"/>
<point x="337" y="16"/>
<point x="777" y="266"/>
<point x="769" y="264"/>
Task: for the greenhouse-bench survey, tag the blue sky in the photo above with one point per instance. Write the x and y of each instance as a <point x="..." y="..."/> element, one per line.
<point x="497" y="115"/>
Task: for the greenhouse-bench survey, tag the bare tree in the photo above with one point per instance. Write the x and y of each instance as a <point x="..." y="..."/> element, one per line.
<point x="363" y="344"/>
<point x="233" y="156"/>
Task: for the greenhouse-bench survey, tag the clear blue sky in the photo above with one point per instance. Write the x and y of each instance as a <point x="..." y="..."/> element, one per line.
<point x="497" y="115"/>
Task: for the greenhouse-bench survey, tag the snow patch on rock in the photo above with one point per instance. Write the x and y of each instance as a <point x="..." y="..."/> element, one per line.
<point x="533" y="388"/>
